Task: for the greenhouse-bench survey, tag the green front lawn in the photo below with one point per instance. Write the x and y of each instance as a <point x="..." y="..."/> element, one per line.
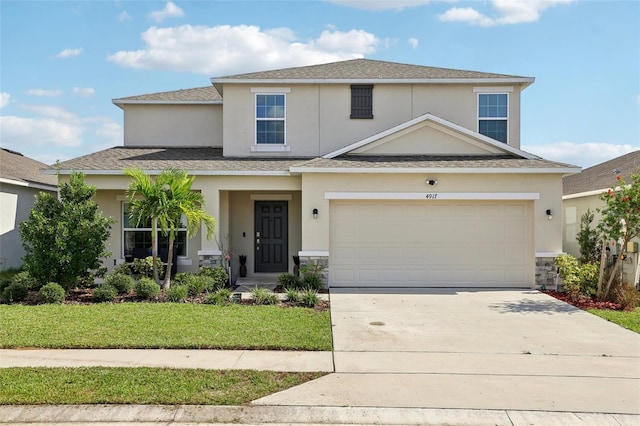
<point x="630" y="320"/>
<point x="164" y="325"/>
<point x="101" y="385"/>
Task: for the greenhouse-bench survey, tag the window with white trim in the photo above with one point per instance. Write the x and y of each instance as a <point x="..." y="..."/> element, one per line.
<point x="270" y="119"/>
<point x="135" y="239"/>
<point x="493" y="115"/>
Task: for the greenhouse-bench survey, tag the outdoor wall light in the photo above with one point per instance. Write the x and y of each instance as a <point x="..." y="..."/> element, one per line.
<point x="432" y="181"/>
<point x="549" y="214"/>
<point x="315" y="213"/>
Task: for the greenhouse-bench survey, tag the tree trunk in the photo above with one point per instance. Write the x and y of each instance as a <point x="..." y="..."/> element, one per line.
<point x="167" y="275"/>
<point x="154" y="250"/>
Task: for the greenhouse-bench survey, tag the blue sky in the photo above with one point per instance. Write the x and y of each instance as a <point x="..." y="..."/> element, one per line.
<point x="62" y="62"/>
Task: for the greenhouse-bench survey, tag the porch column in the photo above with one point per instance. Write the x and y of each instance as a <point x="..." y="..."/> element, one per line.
<point x="209" y="253"/>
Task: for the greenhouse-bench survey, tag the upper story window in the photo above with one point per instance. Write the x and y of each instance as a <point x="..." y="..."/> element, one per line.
<point x="270" y="119"/>
<point x="362" y="101"/>
<point x="493" y="115"/>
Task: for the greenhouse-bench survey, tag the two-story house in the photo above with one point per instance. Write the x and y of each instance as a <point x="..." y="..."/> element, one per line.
<point x="387" y="174"/>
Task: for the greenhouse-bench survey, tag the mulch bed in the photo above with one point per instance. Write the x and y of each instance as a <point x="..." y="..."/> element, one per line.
<point x="584" y="302"/>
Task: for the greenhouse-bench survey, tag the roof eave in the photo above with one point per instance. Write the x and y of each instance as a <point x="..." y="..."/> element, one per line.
<point x="525" y="81"/>
<point x="118" y="172"/>
<point x="119" y="102"/>
<point x="440" y="170"/>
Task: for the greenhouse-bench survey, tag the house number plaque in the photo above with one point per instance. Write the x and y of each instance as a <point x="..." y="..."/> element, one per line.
<point x="431" y="196"/>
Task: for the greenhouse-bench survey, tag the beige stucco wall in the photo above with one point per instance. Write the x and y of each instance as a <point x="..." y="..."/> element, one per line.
<point x="317" y="116"/>
<point x="173" y="125"/>
<point x="547" y="233"/>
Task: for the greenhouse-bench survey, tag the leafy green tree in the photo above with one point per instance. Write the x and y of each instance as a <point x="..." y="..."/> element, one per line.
<point x="164" y="201"/>
<point x="620" y="222"/>
<point x="588" y="239"/>
<point x="65" y="238"/>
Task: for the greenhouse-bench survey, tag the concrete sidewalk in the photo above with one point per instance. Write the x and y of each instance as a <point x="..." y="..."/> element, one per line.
<point x="288" y="361"/>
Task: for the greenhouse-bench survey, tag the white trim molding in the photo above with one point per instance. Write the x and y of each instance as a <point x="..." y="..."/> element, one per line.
<point x="492" y="89"/>
<point x="270" y="148"/>
<point x="209" y="252"/>
<point x="416" y="170"/>
<point x="432" y="196"/>
<point x="548" y="253"/>
<point x="314" y="253"/>
<point x="270" y="197"/>
<point x="270" y="90"/>
<point x="41" y="186"/>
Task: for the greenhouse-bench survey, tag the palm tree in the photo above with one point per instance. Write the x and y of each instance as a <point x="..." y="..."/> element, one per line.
<point x="165" y="201"/>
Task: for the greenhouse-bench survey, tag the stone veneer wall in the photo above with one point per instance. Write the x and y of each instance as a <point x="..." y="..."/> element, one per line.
<point x="545" y="273"/>
<point x="210" y="260"/>
<point x="323" y="261"/>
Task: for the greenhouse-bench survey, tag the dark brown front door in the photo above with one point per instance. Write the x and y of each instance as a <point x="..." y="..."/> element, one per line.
<point x="271" y="238"/>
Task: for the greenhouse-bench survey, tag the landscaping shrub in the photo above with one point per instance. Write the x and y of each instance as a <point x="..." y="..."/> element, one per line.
<point x="578" y="280"/>
<point x="26" y="279"/>
<point x="147" y="288"/>
<point x="51" y="293"/>
<point x="199" y="284"/>
<point x="219" y="275"/>
<point x="177" y="293"/>
<point x="183" y="278"/>
<point x="312" y="276"/>
<point x="13" y="293"/>
<point x="220" y="297"/>
<point x="627" y="296"/>
<point x="262" y="296"/>
<point x="143" y="268"/>
<point x="123" y="268"/>
<point x="123" y="283"/>
<point x="105" y="293"/>
<point x="309" y="298"/>
<point x="289" y="281"/>
<point x="293" y="295"/>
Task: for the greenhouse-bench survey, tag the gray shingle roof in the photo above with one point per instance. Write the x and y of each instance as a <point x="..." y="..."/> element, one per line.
<point x="206" y="160"/>
<point x="207" y="94"/>
<point x="15" y="166"/>
<point x="435" y="162"/>
<point x="602" y="176"/>
<point x="364" y="69"/>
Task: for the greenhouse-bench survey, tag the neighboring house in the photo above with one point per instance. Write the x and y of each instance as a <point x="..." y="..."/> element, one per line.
<point x="583" y="191"/>
<point x="20" y="182"/>
<point x="387" y="174"/>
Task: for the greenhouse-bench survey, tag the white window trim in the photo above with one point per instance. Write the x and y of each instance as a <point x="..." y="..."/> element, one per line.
<point x="504" y="92"/>
<point x="273" y="147"/>
<point x="123" y="230"/>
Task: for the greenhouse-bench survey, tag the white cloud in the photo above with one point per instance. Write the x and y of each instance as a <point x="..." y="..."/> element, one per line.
<point x="637" y="99"/>
<point x="381" y="4"/>
<point x="50" y="111"/>
<point x="85" y="92"/>
<point x="44" y="92"/>
<point x="225" y="49"/>
<point x="4" y="99"/>
<point x="170" y="11"/>
<point x="507" y="12"/>
<point x="111" y="132"/>
<point x="69" y="53"/>
<point x="580" y="154"/>
<point x="124" y="16"/>
<point x="20" y="131"/>
<point x="413" y="42"/>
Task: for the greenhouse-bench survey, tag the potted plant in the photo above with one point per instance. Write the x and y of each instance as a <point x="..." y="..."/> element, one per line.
<point x="296" y="266"/>
<point x="243" y="265"/>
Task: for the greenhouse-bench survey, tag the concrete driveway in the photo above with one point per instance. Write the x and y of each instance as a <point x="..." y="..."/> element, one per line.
<point x="468" y="349"/>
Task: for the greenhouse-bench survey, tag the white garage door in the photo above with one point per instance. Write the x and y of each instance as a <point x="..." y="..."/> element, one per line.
<point x="431" y="244"/>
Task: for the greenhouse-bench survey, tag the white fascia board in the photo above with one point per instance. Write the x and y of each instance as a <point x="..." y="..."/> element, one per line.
<point x="590" y="193"/>
<point x="445" y="123"/>
<point x="553" y="254"/>
<point x="150" y="102"/>
<point x="190" y="172"/>
<point x="209" y="252"/>
<point x="313" y="253"/>
<point x="41" y="186"/>
<point x="507" y="80"/>
<point x="432" y="196"/>
<point x="440" y="170"/>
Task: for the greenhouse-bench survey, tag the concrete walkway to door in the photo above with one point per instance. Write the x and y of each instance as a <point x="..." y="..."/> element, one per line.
<point x="473" y="349"/>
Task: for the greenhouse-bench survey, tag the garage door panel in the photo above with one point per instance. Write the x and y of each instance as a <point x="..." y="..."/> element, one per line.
<point x="415" y="243"/>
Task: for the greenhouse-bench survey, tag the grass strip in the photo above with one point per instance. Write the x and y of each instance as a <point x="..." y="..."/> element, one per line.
<point x="626" y="319"/>
<point x="164" y="325"/>
<point x="101" y="385"/>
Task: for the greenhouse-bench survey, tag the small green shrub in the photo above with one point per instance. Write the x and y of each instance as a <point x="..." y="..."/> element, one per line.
<point x="122" y="282"/>
<point x="51" y="293"/>
<point x="14" y="293"/>
<point x="123" y="268"/>
<point x="220" y="297"/>
<point x="219" y="275"/>
<point x="309" y="298"/>
<point x="183" y="278"/>
<point x="105" y="293"/>
<point x="146" y="288"/>
<point x="199" y="284"/>
<point x="24" y="278"/>
<point x="312" y="276"/>
<point x="177" y="293"/>
<point x="293" y="295"/>
<point x="288" y="281"/>
<point x="4" y="283"/>
<point x="578" y="280"/>
<point x="144" y="267"/>
<point x="262" y="296"/>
